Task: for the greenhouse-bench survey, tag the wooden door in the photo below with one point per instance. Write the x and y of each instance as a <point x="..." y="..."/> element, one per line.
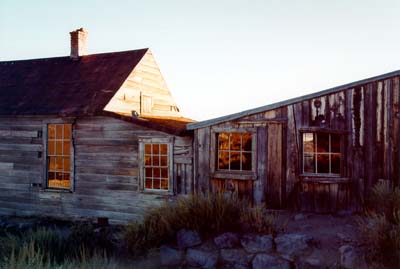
<point x="276" y="177"/>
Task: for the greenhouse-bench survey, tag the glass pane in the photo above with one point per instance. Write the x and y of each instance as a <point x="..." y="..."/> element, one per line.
<point x="164" y="161"/>
<point x="148" y="172"/>
<point x="164" y="149"/>
<point x="309" y="163"/>
<point x="51" y="175"/>
<point x="66" y="164"/>
<point x="59" y="164"/>
<point x="156" y="183"/>
<point x="322" y="142"/>
<point x="147" y="160"/>
<point x="246" y="142"/>
<point x="59" y="147"/>
<point x="52" y="164"/>
<point x="164" y="184"/>
<point x="51" y="148"/>
<point x="66" y="183"/>
<point x="223" y="141"/>
<point x="323" y="163"/>
<point x="246" y="161"/>
<point x="67" y="145"/>
<point x="308" y="142"/>
<point x="335" y="143"/>
<point x="164" y="172"/>
<point x="235" y="141"/>
<point x="147" y="148"/>
<point x="235" y="161"/>
<point x="335" y="163"/>
<point x="148" y="183"/>
<point x="51" y="131"/>
<point x="52" y="183"/>
<point x="156" y="160"/>
<point x="67" y="131"/>
<point x="59" y="176"/>
<point x="156" y="172"/>
<point x="156" y="149"/>
<point x="223" y="160"/>
<point x="59" y="131"/>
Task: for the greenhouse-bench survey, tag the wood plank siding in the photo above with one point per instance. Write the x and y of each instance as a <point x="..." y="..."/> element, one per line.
<point x="144" y="91"/>
<point x="366" y="117"/>
<point x="106" y="169"/>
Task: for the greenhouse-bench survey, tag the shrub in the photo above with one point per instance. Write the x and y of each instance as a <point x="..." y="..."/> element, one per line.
<point x="380" y="229"/>
<point x="31" y="257"/>
<point x="206" y="213"/>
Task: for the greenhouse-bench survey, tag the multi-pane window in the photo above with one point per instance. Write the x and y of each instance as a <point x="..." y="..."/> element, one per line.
<point x="59" y="156"/>
<point x="234" y="151"/>
<point x="321" y="153"/>
<point x="156" y="166"/>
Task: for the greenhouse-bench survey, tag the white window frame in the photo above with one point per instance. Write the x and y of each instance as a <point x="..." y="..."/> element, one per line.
<point x="154" y="140"/>
<point x="45" y="136"/>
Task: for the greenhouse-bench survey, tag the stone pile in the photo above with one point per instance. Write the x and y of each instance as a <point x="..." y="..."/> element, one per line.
<point x="230" y="250"/>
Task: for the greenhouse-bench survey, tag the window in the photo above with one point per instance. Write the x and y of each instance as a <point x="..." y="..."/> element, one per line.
<point x="234" y="152"/>
<point x="321" y="153"/>
<point x="156" y="166"/>
<point x="59" y="156"/>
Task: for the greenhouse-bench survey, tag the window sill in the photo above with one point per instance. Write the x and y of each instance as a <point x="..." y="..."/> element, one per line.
<point x="323" y="178"/>
<point x="157" y="192"/>
<point x="57" y="190"/>
<point x="248" y="175"/>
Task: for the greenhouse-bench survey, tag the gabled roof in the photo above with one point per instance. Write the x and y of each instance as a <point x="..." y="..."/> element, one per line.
<point x="61" y="86"/>
<point x="206" y="123"/>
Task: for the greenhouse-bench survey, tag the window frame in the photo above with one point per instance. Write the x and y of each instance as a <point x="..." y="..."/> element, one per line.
<point x="45" y="158"/>
<point x="171" y="182"/>
<point x="233" y="174"/>
<point x="341" y="135"/>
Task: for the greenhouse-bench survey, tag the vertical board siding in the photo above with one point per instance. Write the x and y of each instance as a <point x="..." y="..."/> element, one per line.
<point x="367" y="116"/>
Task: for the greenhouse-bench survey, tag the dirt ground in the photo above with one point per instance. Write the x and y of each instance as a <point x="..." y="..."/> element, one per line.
<point x="329" y="232"/>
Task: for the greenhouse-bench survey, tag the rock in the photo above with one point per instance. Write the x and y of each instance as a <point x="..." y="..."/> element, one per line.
<point x="262" y="261"/>
<point x="299" y="216"/>
<point x="343" y="237"/>
<point x="348" y="257"/>
<point x="309" y="263"/>
<point x="293" y="245"/>
<point x="226" y="240"/>
<point x="186" y="238"/>
<point x="170" y="256"/>
<point x="306" y="227"/>
<point x="344" y="213"/>
<point x="257" y="243"/>
<point x="232" y="257"/>
<point x="202" y="259"/>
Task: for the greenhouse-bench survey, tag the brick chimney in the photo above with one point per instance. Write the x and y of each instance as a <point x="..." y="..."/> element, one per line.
<point x="78" y="43"/>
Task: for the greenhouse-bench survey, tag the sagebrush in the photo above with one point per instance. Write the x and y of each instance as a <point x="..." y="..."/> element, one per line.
<point x="380" y="228"/>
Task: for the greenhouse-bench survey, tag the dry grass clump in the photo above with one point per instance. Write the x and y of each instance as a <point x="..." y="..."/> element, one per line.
<point x="208" y="214"/>
<point x="380" y="229"/>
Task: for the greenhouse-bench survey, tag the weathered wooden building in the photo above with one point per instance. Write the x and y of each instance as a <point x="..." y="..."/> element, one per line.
<point x="320" y="152"/>
<point x="90" y="135"/>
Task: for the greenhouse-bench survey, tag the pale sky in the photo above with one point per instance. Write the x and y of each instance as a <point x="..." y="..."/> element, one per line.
<point x="220" y="57"/>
